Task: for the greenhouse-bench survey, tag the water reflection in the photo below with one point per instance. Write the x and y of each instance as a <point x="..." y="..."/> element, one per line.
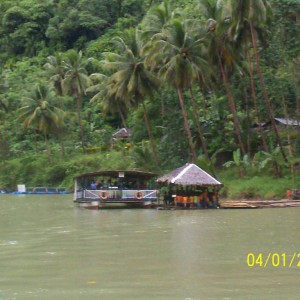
<point x="49" y="249"/>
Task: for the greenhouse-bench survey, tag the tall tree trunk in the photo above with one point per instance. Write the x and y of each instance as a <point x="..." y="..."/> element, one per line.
<point x="47" y="148"/>
<point x="78" y="102"/>
<point x="296" y="76"/>
<point x="186" y="124"/>
<point x="149" y="133"/>
<point x="35" y="143"/>
<point x="199" y="130"/>
<point x="62" y="144"/>
<point x="204" y="104"/>
<point x="266" y="97"/>
<point x="286" y="115"/>
<point x="122" y="116"/>
<point x="5" y="140"/>
<point x="232" y="108"/>
<point x="254" y="98"/>
<point x="248" y="121"/>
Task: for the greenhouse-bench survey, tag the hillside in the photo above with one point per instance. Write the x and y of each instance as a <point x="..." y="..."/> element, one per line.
<point x="203" y="81"/>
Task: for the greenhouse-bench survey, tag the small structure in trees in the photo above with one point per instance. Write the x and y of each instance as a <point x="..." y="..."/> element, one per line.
<point x="123" y="133"/>
<point x="190" y="186"/>
<point x="280" y="122"/>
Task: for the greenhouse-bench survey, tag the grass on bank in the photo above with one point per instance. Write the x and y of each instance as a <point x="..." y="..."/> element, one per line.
<point x="262" y="186"/>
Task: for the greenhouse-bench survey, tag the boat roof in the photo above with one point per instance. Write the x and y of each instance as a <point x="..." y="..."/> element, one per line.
<point x="118" y="173"/>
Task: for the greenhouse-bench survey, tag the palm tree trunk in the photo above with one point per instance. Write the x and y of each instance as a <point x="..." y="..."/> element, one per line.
<point x="232" y="108"/>
<point x="47" y="148"/>
<point x="122" y="117"/>
<point x="204" y="104"/>
<point x="297" y="90"/>
<point x="62" y="144"/>
<point x="286" y="115"/>
<point x="186" y="124"/>
<point x="149" y="133"/>
<point x="197" y="118"/>
<point x="266" y="97"/>
<point x="78" y="102"/>
<point x="60" y="94"/>
<point x="35" y="143"/>
<point x="254" y="98"/>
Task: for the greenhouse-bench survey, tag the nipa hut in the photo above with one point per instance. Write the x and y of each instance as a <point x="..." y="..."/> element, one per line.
<point x="190" y="186"/>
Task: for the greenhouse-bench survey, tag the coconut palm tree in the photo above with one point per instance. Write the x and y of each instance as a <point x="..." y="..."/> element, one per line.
<point x="222" y="54"/>
<point x="55" y="70"/>
<point x="40" y="113"/>
<point x="241" y="37"/>
<point x="177" y="55"/>
<point x="130" y="80"/>
<point x="75" y="82"/>
<point x="255" y="14"/>
<point x="155" y="20"/>
<point x="3" y="135"/>
<point x="104" y="93"/>
<point x="3" y="111"/>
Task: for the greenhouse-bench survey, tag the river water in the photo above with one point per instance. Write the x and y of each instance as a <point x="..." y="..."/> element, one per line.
<point x="52" y="250"/>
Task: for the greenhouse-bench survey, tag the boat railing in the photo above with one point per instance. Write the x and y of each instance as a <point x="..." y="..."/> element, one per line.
<point x="46" y="190"/>
<point x="142" y="194"/>
<point x="121" y="194"/>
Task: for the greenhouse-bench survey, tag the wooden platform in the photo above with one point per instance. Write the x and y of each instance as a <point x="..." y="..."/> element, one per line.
<point x="259" y="203"/>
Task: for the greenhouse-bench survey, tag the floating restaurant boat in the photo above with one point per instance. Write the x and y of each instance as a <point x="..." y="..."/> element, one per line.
<point x="115" y="188"/>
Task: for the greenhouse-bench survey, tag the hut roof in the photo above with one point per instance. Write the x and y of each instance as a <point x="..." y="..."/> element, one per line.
<point x="283" y="121"/>
<point x="189" y="174"/>
<point x="122" y="133"/>
<point x="119" y="173"/>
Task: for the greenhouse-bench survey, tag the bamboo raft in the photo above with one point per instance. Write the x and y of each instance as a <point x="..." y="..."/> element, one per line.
<point x="259" y="203"/>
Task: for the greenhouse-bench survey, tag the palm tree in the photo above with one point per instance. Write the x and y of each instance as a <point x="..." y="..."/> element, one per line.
<point x="55" y="71"/>
<point x="76" y="81"/>
<point x="40" y="113"/>
<point x="155" y="20"/>
<point x="255" y="14"/>
<point x="177" y="54"/>
<point x="104" y="92"/>
<point x="222" y="55"/>
<point x="130" y="78"/>
<point x="3" y="111"/>
<point x="242" y="38"/>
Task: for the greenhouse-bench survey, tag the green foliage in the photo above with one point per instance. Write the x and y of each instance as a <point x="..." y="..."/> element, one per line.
<point x="184" y="43"/>
<point x="261" y="187"/>
<point x="240" y="161"/>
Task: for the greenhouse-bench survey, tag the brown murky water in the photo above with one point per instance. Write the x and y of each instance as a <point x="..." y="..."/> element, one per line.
<point x="52" y="250"/>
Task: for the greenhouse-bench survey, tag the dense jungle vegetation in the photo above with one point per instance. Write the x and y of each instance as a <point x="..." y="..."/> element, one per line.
<point x="193" y="79"/>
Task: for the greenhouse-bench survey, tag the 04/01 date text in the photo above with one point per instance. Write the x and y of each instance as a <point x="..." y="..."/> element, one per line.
<point x="273" y="260"/>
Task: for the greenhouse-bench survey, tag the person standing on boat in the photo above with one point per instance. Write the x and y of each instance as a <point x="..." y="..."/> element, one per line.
<point x="93" y="185"/>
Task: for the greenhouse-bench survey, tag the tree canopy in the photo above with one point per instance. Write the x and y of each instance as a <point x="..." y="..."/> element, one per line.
<point x="188" y="77"/>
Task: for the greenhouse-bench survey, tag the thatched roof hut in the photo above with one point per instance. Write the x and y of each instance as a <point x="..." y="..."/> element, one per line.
<point x="189" y="175"/>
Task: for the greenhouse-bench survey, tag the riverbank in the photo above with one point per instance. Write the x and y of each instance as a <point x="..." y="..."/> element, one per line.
<point x="35" y="170"/>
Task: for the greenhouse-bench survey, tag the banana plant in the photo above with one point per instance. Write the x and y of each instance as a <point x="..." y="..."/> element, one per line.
<point x="274" y="157"/>
<point x="241" y="162"/>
